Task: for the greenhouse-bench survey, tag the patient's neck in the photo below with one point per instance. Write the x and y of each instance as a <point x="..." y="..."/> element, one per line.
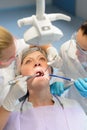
<point x="41" y="99"/>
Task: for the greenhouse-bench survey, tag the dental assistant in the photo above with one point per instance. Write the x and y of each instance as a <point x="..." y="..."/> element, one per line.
<point x="74" y="57"/>
<point x="9" y="48"/>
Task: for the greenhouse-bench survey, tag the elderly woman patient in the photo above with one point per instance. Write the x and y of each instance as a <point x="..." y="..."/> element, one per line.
<point x="41" y="110"/>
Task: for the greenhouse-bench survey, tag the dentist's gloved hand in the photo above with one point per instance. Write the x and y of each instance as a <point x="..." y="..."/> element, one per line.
<point x="16" y="91"/>
<point x="57" y="88"/>
<point x="53" y="58"/>
<point x="81" y="85"/>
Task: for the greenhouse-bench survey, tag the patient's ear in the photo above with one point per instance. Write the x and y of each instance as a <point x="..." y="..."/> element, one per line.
<point x="51" y="70"/>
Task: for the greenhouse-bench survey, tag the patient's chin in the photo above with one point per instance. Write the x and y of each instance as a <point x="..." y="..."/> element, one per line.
<point x="40" y="82"/>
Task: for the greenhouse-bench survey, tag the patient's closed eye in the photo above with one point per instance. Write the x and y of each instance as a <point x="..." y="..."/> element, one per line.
<point x="43" y="59"/>
<point x="28" y="61"/>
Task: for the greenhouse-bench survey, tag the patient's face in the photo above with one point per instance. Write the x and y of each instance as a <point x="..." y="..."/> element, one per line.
<point x="35" y="63"/>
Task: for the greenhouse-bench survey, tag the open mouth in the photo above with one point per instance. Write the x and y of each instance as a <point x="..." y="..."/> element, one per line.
<point x="39" y="73"/>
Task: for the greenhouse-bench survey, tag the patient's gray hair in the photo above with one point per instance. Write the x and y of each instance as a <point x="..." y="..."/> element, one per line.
<point x="30" y="50"/>
<point x="24" y="53"/>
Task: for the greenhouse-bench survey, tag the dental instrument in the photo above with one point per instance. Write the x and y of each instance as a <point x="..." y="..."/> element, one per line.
<point x="11" y="82"/>
<point x="65" y="78"/>
<point x="42" y="30"/>
<point x="68" y="84"/>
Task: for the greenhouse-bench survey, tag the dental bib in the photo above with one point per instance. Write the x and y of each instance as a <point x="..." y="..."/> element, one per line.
<point x="48" y="118"/>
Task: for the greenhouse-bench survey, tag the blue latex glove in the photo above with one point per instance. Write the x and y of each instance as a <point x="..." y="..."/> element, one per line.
<point x="81" y="85"/>
<point x="57" y="88"/>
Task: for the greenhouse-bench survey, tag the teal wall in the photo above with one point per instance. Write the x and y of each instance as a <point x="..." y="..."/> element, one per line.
<point x="66" y="5"/>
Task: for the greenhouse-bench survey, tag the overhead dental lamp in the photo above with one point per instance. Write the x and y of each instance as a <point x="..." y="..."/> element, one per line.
<point x="42" y="31"/>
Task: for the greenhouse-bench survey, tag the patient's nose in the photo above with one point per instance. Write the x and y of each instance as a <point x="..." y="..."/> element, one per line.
<point x="37" y="64"/>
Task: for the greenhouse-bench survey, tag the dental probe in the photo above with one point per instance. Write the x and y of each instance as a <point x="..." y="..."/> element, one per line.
<point x="65" y="78"/>
<point x="11" y="82"/>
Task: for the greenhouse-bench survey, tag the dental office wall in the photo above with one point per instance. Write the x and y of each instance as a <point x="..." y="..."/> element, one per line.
<point x="75" y="7"/>
<point x="67" y="5"/>
<point x="81" y="8"/>
<point x="9" y="4"/>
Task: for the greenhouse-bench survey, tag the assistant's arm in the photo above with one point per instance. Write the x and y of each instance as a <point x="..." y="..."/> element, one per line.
<point x="52" y="55"/>
<point x="4" y="116"/>
<point x="16" y="91"/>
